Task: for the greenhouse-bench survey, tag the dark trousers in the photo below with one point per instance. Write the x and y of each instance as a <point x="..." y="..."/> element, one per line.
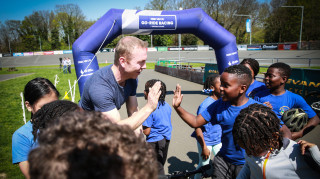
<point x="161" y="147"/>
<point x="224" y="169"/>
<point x="69" y="68"/>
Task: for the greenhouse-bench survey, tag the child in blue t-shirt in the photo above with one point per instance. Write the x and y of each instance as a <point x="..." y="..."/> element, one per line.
<point x="255" y="85"/>
<point x="158" y="126"/>
<point x="208" y="136"/>
<point x="280" y="99"/>
<point x="235" y="81"/>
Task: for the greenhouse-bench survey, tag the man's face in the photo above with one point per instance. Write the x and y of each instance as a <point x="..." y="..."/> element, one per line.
<point x="230" y="87"/>
<point x="273" y="78"/>
<point x="136" y="62"/>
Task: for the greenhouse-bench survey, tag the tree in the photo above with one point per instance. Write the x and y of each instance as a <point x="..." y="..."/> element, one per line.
<point x="71" y="20"/>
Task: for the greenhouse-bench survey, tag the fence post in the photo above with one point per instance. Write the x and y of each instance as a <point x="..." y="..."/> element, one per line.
<point x="309" y="62"/>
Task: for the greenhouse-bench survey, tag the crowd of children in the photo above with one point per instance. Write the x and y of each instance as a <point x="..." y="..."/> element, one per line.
<point x="239" y="123"/>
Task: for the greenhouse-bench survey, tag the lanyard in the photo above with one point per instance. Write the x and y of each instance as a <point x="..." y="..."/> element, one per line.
<point x="264" y="165"/>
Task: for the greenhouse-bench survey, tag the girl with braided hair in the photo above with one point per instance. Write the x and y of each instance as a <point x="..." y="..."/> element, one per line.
<point x="208" y="136"/>
<point x="48" y="113"/>
<point x="158" y="125"/>
<point x="37" y="92"/>
<point x="268" y="155"/>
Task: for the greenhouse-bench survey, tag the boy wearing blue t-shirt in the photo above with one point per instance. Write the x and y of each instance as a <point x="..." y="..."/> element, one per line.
<point x="234" y="84"/>
<point x="280" y="99"/>
<point x="158" y="125"/>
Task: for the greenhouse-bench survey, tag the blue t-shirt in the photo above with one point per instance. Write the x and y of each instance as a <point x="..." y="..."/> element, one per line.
<point x="102" y="93"/>
<point x="284" y="102"/>
<point x="160" y="123"/>
<point x="22" y="143"/>
<point x="211" y="133"/>
<point x="254" y="88"/>
<point x="223" y="113"/>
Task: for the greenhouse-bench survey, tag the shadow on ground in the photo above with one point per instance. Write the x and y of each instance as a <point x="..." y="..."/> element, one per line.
<point x="175" y="164"/>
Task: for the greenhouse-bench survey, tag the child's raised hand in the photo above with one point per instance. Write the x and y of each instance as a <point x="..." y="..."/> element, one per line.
<point x="305" y="145"/>
<point x="177" y="98"/>
<point x="154" y="94"/>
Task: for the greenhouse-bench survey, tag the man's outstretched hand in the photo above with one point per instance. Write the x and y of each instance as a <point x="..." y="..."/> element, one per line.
<point x="177" y="98"/>
<point x="154" y="94"/>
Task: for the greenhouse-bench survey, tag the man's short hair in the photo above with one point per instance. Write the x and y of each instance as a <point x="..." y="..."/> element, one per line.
<point x="126" y="45"/>
<point x="242" y="72"/>
<point x="284" y="68"/>
<point x="86" y="145"/>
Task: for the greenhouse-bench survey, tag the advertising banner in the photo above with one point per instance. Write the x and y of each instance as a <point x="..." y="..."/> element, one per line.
<point x="248" y="25"/>
<point x="304" y="81"/>
<point x="161" y="49"/>
<point x="48" y="53"/>
<point x="254" y="47"/>
<point x="175" y="48"/>
<point x="17" y="54"/>
<point x="242" y="47"/>
<point x="59" y="52"/>
<point x="204" y="47"/>
<point x="287" y="46"/>
<point x="67" y="52"/>
<point x="270" y="47"/>
<point x="37" y="53"/>
<point x="163" y="22"/>
<point x="28" y="53"/>
<point x="190" y="48"/>
<point x="210" y="69"/>
<point x="153" y="49"/>
<point x="0" y="55"/>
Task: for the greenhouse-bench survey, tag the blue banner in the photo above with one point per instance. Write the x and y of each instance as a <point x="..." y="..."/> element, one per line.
<point x="248" y="25"/>
<point x="157" y="22"/>
<point x="67" y="52"/>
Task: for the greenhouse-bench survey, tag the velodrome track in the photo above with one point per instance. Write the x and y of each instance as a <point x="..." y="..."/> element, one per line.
<point x="264" y="57"/>
<point x="182" y="153"/>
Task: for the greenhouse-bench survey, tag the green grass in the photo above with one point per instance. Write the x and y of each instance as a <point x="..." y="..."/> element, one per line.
<point x="11" y="111"/>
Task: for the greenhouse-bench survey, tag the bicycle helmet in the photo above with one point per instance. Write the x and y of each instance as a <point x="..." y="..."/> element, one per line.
<point x="295" y="119"/>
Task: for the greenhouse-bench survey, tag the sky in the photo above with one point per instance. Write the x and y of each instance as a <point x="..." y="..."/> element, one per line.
<point x="92" y="9"/>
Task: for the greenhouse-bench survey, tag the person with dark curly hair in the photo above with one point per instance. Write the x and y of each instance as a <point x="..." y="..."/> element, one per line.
<point x="235" y="81"/>
<point x="255" y="85"/>
<point x="157" y="127"/>
<point x="268" y="155"/>
<point x="84" y="145"/>
<point x="37" y="92"/>
<point x="281" y="100"/>
<point x="48" y="113"/>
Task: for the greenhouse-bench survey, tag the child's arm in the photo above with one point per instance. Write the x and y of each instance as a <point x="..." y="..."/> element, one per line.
<point x="314" y="151"/>
<point x="190" y="119"/>
<point x="146" y="130"/>
<point x="286" y="132"/>
<point x="205" y="151"/>
<point x="312" y="123"/>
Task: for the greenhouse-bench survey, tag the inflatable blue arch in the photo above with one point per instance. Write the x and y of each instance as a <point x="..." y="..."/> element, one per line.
<point x="119" y="21"/>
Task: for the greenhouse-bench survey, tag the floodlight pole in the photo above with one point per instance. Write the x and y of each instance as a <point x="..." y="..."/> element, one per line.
<point x="250" y="22"/>
<point x="179" y="38"/>
<point x="302" y="7"/>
